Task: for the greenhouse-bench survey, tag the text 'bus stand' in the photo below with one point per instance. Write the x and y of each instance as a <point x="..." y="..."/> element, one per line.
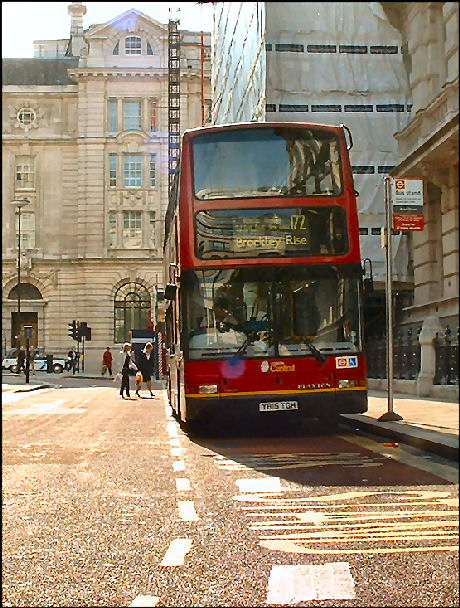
<point x="390" y="415"/>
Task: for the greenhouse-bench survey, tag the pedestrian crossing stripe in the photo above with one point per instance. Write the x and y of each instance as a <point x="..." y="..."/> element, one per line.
<point x="292" y="584"/>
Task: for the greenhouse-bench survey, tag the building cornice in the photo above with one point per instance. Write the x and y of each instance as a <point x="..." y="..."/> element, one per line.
<point x="31" y="89"/>
<point x="418" y="154"/>
<point x="81" y="73"/>
<point x="10" y="139"/>
<point x="435" y="104"/>
<point x="430" y="126"/>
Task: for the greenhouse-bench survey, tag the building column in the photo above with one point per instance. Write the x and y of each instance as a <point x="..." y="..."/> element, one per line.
<point x="430" y="327"/>
<point x="450" y="229"/>
<point x="427" y="249"/>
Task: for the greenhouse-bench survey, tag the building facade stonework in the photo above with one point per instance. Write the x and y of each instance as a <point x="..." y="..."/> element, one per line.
<point x="85" y="141"/>
<point x="389" y="71"/>
<point x="428" y="149"/>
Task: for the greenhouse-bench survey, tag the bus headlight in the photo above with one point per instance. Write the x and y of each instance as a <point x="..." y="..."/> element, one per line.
<point x="208" y="389"/>
<point x="347" y="383"/>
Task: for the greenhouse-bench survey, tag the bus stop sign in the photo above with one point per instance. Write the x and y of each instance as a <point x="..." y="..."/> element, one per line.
<point x="407" y="199"/>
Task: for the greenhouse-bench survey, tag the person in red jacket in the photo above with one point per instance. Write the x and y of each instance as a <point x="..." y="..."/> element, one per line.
<point x="107" y="361"/>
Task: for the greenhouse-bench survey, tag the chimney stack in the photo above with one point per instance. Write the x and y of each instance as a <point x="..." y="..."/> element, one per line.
<point x="76" y="12"/>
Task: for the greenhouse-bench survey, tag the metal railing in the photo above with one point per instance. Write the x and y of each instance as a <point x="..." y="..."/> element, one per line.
<point x="446" y="348"/>
<point x="406" y="356"/>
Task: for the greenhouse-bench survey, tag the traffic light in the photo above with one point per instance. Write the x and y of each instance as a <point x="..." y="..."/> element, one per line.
<point x="73" y="330"/>
<point x="84" y="331"/>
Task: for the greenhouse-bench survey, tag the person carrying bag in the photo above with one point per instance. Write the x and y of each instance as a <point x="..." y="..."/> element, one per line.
<point x="146" y="365"/>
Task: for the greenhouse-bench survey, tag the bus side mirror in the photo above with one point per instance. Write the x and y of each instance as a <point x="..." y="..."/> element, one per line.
<point x="170" y="291"/>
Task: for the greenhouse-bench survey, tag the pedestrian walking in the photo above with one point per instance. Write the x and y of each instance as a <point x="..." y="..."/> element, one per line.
<point x="32" y="360"/>
<point x="146" y="365"/>
<point x="72" y="358"/>
<point x="107" y="362"/>
<point x="128" y="364"/>
<point x="21" y="360"/>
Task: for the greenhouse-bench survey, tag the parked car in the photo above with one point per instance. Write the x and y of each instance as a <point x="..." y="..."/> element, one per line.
<point x="10" y="361"/>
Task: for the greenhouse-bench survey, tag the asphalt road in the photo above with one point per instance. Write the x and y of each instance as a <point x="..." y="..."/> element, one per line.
<point x="106" y="502"/>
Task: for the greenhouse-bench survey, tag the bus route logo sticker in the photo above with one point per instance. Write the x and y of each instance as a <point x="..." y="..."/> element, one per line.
<point x="346" y="362"/>
<point x="264" y="366"/>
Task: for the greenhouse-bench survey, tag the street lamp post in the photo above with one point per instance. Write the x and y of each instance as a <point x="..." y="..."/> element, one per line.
<point x="19" y="204"/>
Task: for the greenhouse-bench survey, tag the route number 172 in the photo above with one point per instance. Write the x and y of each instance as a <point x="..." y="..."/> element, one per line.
<point x="298" y="222"/>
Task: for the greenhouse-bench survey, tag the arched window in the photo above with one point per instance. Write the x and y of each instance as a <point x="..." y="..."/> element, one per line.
<point x="132" y="310"/>
<point x="133" y="45"/>
<point x="27" y="290"/>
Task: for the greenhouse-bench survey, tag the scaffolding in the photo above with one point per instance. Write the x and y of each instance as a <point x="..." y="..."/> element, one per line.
<point x="173" y="98"/>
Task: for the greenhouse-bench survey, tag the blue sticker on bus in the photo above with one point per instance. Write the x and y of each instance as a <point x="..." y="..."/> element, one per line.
<point x="346" y="362"/>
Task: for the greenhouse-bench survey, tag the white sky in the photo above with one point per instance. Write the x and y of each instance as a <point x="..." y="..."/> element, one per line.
<point x="24" y="22"/>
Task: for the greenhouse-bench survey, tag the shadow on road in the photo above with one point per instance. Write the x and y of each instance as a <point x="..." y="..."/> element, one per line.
<point x="309" y="453"/>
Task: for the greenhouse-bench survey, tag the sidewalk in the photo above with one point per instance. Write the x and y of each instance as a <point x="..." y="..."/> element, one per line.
<point x="426" y="423"/>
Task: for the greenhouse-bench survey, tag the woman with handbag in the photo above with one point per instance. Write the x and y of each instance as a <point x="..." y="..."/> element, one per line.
<point x="146" y="365"/>
<point x="125" y="370"/>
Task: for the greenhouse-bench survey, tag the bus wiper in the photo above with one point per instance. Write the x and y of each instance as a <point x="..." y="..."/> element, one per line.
<point x="315" y="351"/>
<point x="244" y="346"/>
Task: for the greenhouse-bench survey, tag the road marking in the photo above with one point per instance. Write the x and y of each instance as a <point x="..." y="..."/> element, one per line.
<point x="182" y="484"/>
<point x="441" y="470"/>
<point x="177" y="451"/>
<point x="187" y="510"/>
<point x="40" y="409"/>
<point x="172" y="429"/>
<point x="12" y="396"/>
<point x="404" y="521"/>
<point x="144" y="601"/>
<point x="414" y="495"/>
<point x="175" y="442"/>
<point x="178" y="549"/>
<point x="294" y="584"/>
<point x="263" y="462"/>
<point x="178" y="465"/>
<point x="266" y="484"/>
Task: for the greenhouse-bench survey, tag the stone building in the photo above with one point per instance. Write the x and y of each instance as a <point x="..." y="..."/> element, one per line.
<point x="428" y="150"/>
<point x="85" y="140"/>
<point x="389" y="70"/>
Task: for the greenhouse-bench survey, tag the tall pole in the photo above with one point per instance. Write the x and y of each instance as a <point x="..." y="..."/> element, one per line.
<point x="202" y="73"/>
<point x="19" y="263"/>
<point x="390" y="415"/>
<point x="18" y="204"/>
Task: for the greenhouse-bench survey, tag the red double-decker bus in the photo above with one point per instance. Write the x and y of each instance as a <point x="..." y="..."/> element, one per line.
<point x="264" y="277"/>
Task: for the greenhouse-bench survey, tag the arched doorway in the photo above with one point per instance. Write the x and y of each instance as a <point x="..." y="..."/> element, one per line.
<point x="28" y="294"/>
<point x="132" y="310"/>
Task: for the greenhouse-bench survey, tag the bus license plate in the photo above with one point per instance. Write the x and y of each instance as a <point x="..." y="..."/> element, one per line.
<point x="276" y="406"/>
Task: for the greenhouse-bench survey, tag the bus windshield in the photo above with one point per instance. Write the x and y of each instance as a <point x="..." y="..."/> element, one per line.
<point x="271" y="161"/>
<point x="271" y="311"/>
